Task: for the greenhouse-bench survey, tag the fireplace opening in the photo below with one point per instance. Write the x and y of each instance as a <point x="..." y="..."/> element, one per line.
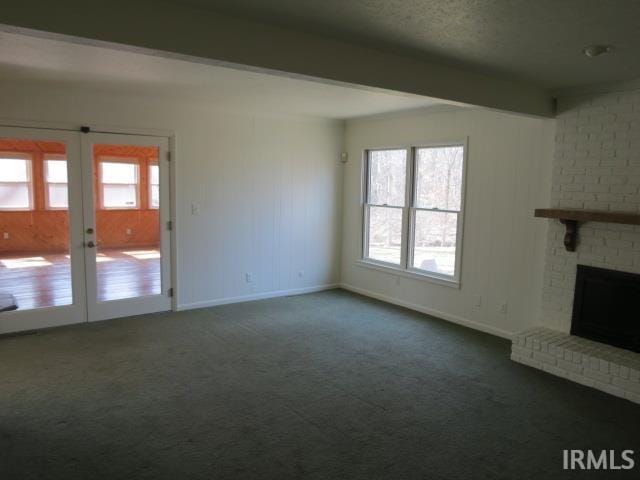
<point x="606" y="307"/>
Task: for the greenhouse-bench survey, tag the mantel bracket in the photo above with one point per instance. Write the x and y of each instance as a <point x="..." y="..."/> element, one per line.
<point x="571" y="217"/>
<point x="571" y="234"/>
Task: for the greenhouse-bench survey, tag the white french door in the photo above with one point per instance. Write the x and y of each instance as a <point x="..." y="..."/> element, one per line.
<point x="122" y="277"/>
<point x="41" y="246"/>
<point x="84" y="227"/>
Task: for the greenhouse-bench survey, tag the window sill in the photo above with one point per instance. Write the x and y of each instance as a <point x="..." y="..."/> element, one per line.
<point x="408" y="273"/>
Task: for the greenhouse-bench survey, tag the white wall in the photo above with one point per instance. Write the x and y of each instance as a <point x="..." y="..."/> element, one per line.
<point x="508" y="175"/>
<point x="268" y="187"/>
<point x="596" y="166"/>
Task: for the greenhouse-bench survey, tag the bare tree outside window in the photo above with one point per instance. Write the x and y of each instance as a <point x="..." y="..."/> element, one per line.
<point x="431" y="199"/>
<point x="387" y="192"/>
<point x="438" y="197"/>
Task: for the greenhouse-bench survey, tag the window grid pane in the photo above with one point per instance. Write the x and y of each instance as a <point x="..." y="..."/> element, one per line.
<point x="14" y="170"/>
<point x="155" y="196"/>
<point x="57" y="196"/>
<point x="154" y="186"/>
<point x="385" y="234"/>
<point x="119" y="173"/>
<point x="119" y="196"/>
<point x="387" y="170"/>
<point x="56" y="171"/>
<point x="15" y="196"/>
<point x="434" y="242"/>
<point x="438" y="182"/>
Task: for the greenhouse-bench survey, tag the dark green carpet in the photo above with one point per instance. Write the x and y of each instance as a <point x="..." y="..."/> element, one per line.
<point x="323" y="386"/>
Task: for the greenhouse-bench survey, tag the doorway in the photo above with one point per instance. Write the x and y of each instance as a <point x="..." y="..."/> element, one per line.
<point x="84" y="227"/>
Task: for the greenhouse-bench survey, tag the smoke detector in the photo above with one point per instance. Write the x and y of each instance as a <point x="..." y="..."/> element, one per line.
<point x="596" y="50"/>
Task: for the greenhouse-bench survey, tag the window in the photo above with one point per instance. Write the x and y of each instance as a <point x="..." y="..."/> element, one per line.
<point x="55" y="178"/>
<point x="413" y="209"/>
<point x="15" y="183"/>
<point x="119" y="184"/>
<point x="154" y="186"/>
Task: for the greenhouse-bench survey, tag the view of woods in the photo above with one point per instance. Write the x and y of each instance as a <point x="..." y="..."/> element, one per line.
<point x="437" y="194"/>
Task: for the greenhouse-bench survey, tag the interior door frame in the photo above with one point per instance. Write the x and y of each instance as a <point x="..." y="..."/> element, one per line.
<point x="76" y="130"/>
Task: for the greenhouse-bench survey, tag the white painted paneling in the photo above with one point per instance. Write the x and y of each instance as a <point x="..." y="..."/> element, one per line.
<point x="508" y="175"/>
<point x="268" y="187"/>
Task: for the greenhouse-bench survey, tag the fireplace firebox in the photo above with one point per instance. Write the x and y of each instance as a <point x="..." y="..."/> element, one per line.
<point x="606" y="307"/>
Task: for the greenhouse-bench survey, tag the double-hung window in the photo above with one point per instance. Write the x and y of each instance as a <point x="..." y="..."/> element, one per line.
<point x="56" y="183"/>
<point x="16" y="188"/>
<point x="119" y="182"/>
<point x="413" y="209"/>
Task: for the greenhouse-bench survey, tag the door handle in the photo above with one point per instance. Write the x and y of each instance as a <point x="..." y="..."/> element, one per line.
<point x="91" y="244"/>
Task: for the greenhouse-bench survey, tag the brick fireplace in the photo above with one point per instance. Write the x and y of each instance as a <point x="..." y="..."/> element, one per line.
<point x="596" y="167"/>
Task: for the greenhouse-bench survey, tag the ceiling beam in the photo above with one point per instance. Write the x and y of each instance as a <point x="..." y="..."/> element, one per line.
<point x="171" y="29"/>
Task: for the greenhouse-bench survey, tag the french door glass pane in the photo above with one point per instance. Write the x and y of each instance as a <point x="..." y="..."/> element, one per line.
<point x="127" y="229"/>
<point x="35" y="265"/>
<point x="439" y="177"/>
<point x="435" y="241"/>
<point x="385" y="234"/>
<point x="387" y="177"/>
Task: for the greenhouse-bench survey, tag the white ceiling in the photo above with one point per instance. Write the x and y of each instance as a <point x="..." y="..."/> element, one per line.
<point x="538" y="41"/>
<point x="34" y="59"/>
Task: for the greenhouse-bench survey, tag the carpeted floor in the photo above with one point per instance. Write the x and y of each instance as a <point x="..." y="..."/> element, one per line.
<point x="322" y="386"/>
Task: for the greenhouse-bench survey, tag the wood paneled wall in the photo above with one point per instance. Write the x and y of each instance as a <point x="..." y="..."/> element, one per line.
<point x="48" y="230"/>
<point x="38" y="229"/>
<point x="143" y="222"/>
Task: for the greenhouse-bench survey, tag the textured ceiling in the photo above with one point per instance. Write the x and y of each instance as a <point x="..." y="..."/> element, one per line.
<point x="539" y="41"/>
<point x="31" y="59"/>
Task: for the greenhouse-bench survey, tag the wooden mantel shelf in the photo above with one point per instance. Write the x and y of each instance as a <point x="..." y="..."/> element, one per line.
<point x="570" y="218"/>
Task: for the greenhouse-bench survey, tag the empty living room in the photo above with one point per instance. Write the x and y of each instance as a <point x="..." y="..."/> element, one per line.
<point x="367" y="239"/>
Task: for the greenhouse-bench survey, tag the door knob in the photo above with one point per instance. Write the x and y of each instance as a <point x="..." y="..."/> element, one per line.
<point x="90" y="244"/>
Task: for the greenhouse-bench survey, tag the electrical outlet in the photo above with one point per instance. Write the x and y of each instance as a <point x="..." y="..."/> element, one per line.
<point x="477" y="300"/>
<point x="248" y="277"/>
<point x="6" y="235"/>
<point x="504" y="306"/>
<point x="301" y="273"/>
<point x="128" y="231"/>
<point x="195" y="209"/>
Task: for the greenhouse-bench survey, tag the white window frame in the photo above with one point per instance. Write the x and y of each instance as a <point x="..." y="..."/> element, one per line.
<point x="150" y="185"/>
<point x="46" y="183"/>
<point x="29" y="183"/>
<point x="128" y="160"/>
<point x="409" y="215"/>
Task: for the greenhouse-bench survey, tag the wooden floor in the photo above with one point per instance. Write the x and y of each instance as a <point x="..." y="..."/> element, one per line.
<point x="44" y="279"/>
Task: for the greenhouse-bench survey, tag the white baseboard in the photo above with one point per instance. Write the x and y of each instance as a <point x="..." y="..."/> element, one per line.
<point x="319" y="288"/>
<point x="430" y="311"/>
<point x="256" y="296"/>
